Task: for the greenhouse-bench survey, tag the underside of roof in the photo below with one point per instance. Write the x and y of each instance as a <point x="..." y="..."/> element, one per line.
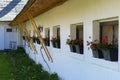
<point x="35" y="8"/>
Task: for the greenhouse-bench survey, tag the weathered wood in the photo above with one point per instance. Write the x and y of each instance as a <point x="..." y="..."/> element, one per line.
<point x="40" y="37"/>
<point x="35" y="7"/>
<point x="27" y="38"/>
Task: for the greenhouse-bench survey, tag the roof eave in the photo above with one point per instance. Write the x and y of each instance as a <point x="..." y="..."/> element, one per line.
<point x="35" y="8"/>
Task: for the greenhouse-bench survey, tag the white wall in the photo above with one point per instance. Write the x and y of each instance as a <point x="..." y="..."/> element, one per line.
<point x="11" y="38"/>
<point x="7" y="37"/>
<point x="2" y="36"/>
<point x="68" y="65"/>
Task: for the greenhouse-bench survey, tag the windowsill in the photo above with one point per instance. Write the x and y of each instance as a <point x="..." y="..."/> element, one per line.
<point x="113" y="65"/>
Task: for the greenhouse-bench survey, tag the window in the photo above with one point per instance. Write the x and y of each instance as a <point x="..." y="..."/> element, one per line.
<point x="79" y="32"/>
<point x="106" y="32"/>
<point x="56" y="37"/>
<point x="8" y="30"/>
<point x="76" y="35"/>
<point x="40" y="28"/>
<point x="111" y="30"/>
<point x="47" y="36"/>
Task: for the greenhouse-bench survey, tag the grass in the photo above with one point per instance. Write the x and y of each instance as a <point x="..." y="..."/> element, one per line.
<point x="6" y="70"/>
<point x="16" y="65"/>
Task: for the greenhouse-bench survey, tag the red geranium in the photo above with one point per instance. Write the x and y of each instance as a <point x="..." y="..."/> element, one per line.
<point x="55" y="39"/>
<point x="78" y="41"/>
<point x="105" y="39"/>
<point x="105" y="45"/>
<point x="94" y="44"/>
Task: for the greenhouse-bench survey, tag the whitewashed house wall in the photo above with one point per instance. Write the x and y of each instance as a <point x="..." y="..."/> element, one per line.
<point x="2" y="36"/>
<point x="72" y="66"/>
<point x="8" y="40"/>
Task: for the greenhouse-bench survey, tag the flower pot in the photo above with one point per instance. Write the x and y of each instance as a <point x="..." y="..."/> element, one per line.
<point x="47" y="43"/>
<point x="57" y="44"/>
<point x="72" y="48"/>
<point x="53" y="43"/>
<point x="97" y="53"/>
<point x="106" y="54"/>
<point x="79" y="49"/>
<point x="111" y="55"/>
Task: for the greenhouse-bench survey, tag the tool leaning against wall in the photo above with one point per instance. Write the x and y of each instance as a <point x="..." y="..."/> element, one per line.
<point x="40" y="37"/>
<point x="27" y="38"/>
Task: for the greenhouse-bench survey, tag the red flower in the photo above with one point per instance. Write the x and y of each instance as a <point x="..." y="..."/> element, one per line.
<point x="55" y="39"/>
<point x="105" y="45"/>
<point x="95" y="40"/>
<point x="78" y="41"/>
<point x="88" y="43"/>
<point x="93" y="45"/>
<point x="105" y="39"/>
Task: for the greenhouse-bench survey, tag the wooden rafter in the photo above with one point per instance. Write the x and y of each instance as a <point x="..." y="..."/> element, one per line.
<point x="27" y="37"/>
<point x="36" y="7"/>
<point x="33" y="9"/>
<point x="40" y="37"/>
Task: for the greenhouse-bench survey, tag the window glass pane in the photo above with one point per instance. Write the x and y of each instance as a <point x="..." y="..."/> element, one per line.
<point x="8" y="30"/>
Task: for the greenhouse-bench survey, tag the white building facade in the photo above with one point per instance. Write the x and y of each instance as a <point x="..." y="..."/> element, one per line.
<point x="90" y="14"/>
<point x="8" y="36"/>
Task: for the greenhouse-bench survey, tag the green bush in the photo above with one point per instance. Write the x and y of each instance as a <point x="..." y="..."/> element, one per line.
<point x="54" y="76"/>
<point x="26" y="69"/>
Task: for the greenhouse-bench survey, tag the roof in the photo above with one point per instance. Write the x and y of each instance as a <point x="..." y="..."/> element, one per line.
<point x="10" y="8"/>
<point x="35" y="8"/>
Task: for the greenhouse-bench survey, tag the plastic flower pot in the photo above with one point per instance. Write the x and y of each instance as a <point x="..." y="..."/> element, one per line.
<point x="57" y="44"/>
<point x="53" y="43"/>
<point x="72" y="48"/>
<point x="110" y="54"/>
<point x="97" y="53"/>
<point x="79" y="49"/>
